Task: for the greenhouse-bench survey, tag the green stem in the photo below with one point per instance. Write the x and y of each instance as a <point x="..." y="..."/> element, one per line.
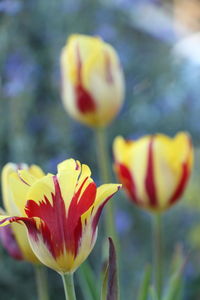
<point x="68" y="283"/>
<point x="157" y="251"/>
<point x="41" y="281"/>
<point x="104" y="168"/>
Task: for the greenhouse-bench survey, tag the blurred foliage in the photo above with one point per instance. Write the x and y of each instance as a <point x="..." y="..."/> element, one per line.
<point x="162" y="96"/>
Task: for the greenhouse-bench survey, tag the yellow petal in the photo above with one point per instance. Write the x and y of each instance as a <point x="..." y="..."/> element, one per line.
<point x="29" y="176"/>
<point x="15" y="184"/>
<point x="103" y="193"/>
<point x="170" y="154"/>
<point x="36" y="171"/>
<point x="42" y="188"/>
<point x="71" y="175"/>
<point x="7" y="170"/>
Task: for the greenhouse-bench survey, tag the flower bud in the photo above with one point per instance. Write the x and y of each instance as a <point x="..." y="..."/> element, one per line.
<point x="92" y="80"/>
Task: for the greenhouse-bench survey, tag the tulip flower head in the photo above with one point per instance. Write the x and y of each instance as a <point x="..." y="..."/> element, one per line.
<point x="92" y="80"/>
<point x="154" y="170"/>
<point x="61" y="214"/>
<point x="14" y="239"/>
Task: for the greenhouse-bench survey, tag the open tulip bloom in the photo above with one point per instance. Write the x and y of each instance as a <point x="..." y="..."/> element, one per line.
<point x="61" y="213"/>
<point x="154" y="171"/>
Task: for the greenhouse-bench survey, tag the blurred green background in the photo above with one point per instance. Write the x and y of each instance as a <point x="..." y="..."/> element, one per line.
<point x="162" y="95"/>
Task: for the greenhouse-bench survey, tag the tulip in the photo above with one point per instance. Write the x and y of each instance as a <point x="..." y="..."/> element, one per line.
<point x="14" y="239"/>
<point x="61" y="213"/>
<point x="92" y="80"/>
<point x="154" y="170"/>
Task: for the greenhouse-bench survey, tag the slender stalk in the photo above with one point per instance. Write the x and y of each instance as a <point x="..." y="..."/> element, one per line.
<point x="68" y="283"/>
<point x="41" y="281"/>
<point x="157" y="251"/>
<point x="104" y="164"/>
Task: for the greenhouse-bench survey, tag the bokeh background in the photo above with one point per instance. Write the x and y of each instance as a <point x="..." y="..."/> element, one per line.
<point x="159" y="46"/>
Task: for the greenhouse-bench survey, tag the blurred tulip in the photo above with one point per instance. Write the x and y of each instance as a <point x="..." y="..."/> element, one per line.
<point x="154" y="170"/>
<point x="14" y="193"/>
<point x="92" y="80"/>
<point x="61" y="214"/>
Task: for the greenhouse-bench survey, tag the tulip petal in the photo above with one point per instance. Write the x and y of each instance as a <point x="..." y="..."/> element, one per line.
<point x="71" y="176"/>
<point x="173" y="160"/>
<point x="150" y="175"/>
<point x="38" y="234"/>
<point x="104" y="193"/>
<point x="8" y="199"/>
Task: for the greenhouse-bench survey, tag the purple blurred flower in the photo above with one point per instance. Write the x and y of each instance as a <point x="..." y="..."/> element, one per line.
<point x="123" y="222"/>
<point x="18" y="74"/>
<point x="9" y="242"/>
<point x="10" y="7"/>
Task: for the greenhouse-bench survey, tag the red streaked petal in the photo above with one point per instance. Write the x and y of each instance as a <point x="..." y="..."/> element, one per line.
<point x="76" y="209"/>
<point x="85" y="102"/>
<point x="126" y="178"/>
<point x="97" y="214"/>
<point x="150" y="178"/>
<point x="180" y="188"/>
<point x="87" y="198"/>
<point x="62" y="230"/>
<point x="35" y="230"/>
<point x="54" y="218"/>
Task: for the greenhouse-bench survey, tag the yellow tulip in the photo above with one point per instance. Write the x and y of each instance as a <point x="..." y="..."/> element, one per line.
<point x="155" y="169"/>
<point x="92" y="80"/>
<point x="61" y="213"/>
<point x="15" y="239"/>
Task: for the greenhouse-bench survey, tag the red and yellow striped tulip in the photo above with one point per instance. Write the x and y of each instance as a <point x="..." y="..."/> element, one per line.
<point x="155" y="169"/>
<point x="92" y="80"/>
<point x="61" y="214"/>
<point x="15" y="239"/>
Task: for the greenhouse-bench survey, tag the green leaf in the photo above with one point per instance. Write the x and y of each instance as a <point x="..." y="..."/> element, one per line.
<point x="175" y="283"/>
<point x="88" y="282"/>
<point x="152" y="293"/>
<point x="104" y="285"/>
<point x="173" y="290"/>
<point x="144" y="288"/>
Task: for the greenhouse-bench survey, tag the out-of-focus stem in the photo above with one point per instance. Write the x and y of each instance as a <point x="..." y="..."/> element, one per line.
<point x="157" y="253"/>
<point x="68" y="283"/>
<point x="41" y="281"/>
<point x="104" y="168"/>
